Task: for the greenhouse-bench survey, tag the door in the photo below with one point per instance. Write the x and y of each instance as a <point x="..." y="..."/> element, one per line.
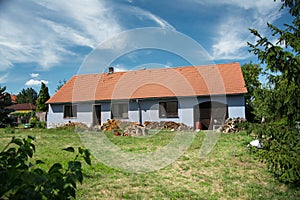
<point x="210" y="113"/>
<point x="97" y="115"/>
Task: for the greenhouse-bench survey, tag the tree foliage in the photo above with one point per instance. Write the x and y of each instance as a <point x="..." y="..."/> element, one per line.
<point x="41" y="105"/>
<point x="28" y="95"/>
<point x="60" y="84"/>
<point x="22" y="179"/>
<point x="282" y="61"/>
<point x="280" y="99"/>
<point x="5" y="100"/>
<point x="251" y="74"/>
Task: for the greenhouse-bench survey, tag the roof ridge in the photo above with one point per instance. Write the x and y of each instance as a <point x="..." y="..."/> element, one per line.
<point x="156" y="69"/>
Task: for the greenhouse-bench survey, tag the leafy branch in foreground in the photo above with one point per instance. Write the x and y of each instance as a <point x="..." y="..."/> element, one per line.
<point x="21" y="179"/>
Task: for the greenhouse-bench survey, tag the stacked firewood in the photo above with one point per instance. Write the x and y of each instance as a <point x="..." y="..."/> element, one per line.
<point x="154" y="125"/>
<point x="110" y="125"/>
<point x="167" y="125"/>
<point x="77" y="125"/>
<point x="171" y="125"/>
<point x="231" y="125"/>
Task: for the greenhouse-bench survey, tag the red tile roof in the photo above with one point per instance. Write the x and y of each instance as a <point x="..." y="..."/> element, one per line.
<point x="153" y="83"/>
<point x="13" y="98"/>
<point x="22" y="106"/>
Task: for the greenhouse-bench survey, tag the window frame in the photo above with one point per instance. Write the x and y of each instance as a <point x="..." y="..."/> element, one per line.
<point x="164" y="113"/>
<point x="72" y="112"/>
<point x="119" y="115"/>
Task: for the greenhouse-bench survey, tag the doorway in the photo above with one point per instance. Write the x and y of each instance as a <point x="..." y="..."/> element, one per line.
<point x="96" y="115"/>
<point x="210" y="113"/>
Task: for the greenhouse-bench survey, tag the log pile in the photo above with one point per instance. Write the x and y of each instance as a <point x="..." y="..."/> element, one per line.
<point x="153" y="125"/>
<point x="167" y="125"/>
<point x="231" y="125"/>
<point x="133" y="128"/>
<point x="74" y="125"/>
<point x="171" y="125"/>
<point x="110" y="125"/>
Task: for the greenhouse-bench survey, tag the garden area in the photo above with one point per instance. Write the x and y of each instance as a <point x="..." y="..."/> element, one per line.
<point x="229" y="171"/>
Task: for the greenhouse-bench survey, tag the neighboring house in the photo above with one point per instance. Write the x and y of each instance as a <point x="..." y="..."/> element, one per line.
<point x="20" y="111"/>
<point x="22" y="107"/>
<point x="198" y="96"/>
<point x="13" y="99"/>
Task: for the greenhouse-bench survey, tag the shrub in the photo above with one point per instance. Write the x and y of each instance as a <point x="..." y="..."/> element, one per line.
<point x="21" y="179"/>
<point x="36" y="123"/>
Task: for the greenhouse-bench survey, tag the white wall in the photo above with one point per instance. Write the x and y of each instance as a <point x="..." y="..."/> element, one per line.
<point x="149" y="109"/>
<point x="56" y="118"/>
<point x="236" y="106"/>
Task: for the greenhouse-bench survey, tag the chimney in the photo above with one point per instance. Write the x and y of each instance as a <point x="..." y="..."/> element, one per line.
<point x="110" y="70"/>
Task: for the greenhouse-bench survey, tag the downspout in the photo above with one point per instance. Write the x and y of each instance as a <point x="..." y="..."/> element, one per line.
<point x="140" y="112"/>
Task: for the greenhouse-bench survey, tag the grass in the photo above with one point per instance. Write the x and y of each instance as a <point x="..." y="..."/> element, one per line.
<point x="227" y="172"/>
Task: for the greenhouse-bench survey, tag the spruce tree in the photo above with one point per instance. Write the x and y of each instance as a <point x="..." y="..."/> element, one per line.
<point x="28" y="95"/>
<point x="281" y="100"/>
<point x="41" y="105"/>
<point x="5" y="100"/>
<point x="282" y="61"/>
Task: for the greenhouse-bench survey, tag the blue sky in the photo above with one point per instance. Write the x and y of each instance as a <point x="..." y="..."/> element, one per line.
<point x="48" y="40"/>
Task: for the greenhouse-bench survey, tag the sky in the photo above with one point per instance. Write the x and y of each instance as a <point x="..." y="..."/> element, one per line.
<point x="52" y="40"/>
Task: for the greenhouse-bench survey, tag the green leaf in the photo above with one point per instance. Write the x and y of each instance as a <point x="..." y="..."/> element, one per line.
<point x="87" y="160"/>
<point x="17" y="141"/>
<point x="79" y="176"/>
<point x="31" y="137"/>
<point x="39" y="162"/>
<point x="70" y="149"/>
<point x="80" y="150"/>
<point x="32" y="146"/>
<point x="71" y="179"/>
<point x="55" y="168"/>
<point x="74" y="165"/>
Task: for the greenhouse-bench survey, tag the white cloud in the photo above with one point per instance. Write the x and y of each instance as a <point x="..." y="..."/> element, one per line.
<point x="232" y="32"/>
<point x="4" y="78"/>
<point x="120" y="68"/>
<point x="34" y="75"/>
<point x="261" y="6"/>
<point x="33" y="82"/>
<point x="44" y="32"/>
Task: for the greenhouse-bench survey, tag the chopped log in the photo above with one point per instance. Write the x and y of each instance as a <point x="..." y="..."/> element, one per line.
<point x="231" y="125"/>
<point x="110" y="125"/>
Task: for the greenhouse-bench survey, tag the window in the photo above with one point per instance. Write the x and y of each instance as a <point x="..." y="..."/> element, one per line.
<point x="70" y="111"/>
<point x="168" y="109"/>
<point x="119" y="111"/>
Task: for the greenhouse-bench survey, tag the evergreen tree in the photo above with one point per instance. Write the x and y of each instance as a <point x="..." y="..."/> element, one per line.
<point x="41" y="105"/>
<point x="282" y="61"/>
<point x="60" y="84"/>
<point x="280" y="101"/>
<point x="28" y="95"/>
<point x="5" y="100"/>
<point x="251" y="74"/>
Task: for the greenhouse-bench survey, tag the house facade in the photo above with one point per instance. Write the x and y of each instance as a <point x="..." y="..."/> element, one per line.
<point x="204" y="95"/>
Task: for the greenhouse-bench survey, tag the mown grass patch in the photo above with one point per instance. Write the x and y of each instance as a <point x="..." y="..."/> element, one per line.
<point x="227" y="172"/>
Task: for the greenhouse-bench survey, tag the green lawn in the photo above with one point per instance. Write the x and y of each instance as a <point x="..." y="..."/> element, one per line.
<point x="227" y="172"/>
